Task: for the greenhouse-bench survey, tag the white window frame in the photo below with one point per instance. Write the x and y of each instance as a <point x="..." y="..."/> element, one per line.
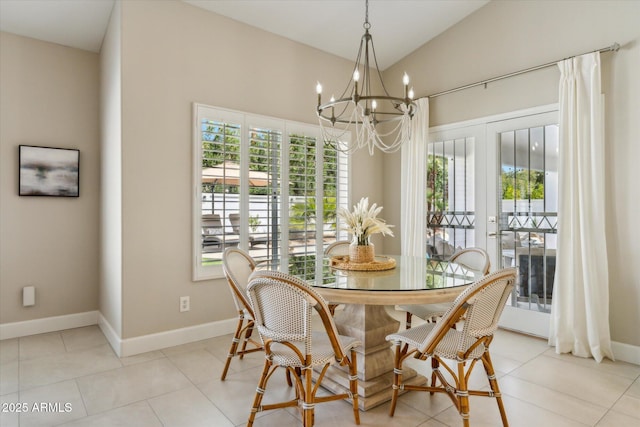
<point x="247" y="121"/>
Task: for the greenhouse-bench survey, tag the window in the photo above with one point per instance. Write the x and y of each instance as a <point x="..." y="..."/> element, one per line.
<point x="283" y="216"/>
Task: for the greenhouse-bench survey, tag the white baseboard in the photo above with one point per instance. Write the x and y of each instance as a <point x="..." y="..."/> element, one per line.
<point x="122" y="347"/>
<point x="47" y="324"/>
<point x="110" y="334"/>
<point x="132" y="346"/>
<point x="158" y="341"/>
<point x="626" y="352"/>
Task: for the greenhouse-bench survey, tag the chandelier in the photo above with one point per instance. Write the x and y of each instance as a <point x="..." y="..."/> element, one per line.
<point x="381" y="121"/>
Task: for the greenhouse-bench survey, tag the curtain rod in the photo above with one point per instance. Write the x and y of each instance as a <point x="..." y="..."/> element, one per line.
<point x="613" y="48"/>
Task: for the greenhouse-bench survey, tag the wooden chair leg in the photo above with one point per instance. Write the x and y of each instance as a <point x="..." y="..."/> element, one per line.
<point x="332" y="309"/>
<point x="247" y="337"/>
<point x="397" y="379"/>
<point x="493" y="383"/>
<point x="287" y="374"/>
<point x="407" y="322"/>
<point x="353" y="386"/>
<point x="435" y="365"/>
<point x="308" y="399"/>
<point x="262" y="385"/>
<point x="463" y="395"/>
<point x="234" y="347"/>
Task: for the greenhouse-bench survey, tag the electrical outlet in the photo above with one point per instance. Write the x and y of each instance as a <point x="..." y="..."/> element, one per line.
<point x="185" y="304"/>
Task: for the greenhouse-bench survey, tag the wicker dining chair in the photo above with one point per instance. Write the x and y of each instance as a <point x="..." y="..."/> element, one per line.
<point x="283" y="307"/>
<point x="237" y="266"/>
<point x="481" y="304"/>
<point x="474" y="260"/>
<point x="337" y="248"/>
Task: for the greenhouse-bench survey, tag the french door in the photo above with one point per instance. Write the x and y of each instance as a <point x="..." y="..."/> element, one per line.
<point x="492" y="183"/>
<point x="523" y="214"/>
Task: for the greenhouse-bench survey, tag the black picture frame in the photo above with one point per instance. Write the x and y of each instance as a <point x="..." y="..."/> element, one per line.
<point x="48" y="171"/>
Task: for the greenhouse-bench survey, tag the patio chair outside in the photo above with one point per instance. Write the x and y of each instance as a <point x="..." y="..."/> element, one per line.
<point x="214" y="238"/>
<point x="254" y="238"/>
<point x="481" y="304"/>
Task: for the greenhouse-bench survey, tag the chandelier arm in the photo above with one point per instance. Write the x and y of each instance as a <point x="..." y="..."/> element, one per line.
<point x="375" y="61"/>
<point x="382" y="116"/>
<point x="366" y="78"/>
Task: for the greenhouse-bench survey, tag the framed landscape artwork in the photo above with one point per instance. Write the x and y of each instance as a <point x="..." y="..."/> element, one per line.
<point x="48" y="171"/>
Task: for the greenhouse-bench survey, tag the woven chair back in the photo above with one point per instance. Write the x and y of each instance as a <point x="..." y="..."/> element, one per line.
<point x="481" y="304"/>
<point x="238" y="266"/>
<point x="474" y="259"/>
<point x="338" y="248"/>
<point x="283" y="305"/>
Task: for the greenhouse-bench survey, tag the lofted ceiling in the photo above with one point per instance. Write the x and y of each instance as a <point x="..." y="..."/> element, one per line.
<point x="398" y="27"/>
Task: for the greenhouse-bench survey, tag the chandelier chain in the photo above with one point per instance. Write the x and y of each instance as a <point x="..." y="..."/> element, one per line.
<point x="366" y="24"/>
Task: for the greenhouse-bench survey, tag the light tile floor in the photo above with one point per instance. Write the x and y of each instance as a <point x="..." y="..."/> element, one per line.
<point x="83" y="383"/>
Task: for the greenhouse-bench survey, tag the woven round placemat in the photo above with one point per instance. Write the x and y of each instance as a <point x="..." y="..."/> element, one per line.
<point x="342" y="262"/>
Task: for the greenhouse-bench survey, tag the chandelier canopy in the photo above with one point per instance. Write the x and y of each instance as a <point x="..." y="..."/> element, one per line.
<point x="381" y="121"/>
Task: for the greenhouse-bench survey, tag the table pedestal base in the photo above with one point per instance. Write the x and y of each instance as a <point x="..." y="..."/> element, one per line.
<point x="369" y="324"/>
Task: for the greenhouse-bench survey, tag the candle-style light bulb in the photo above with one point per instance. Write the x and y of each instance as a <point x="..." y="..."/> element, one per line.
<point x="374" y="104"/>
<point x="356" y="77"/>
<point x="411" y="94"/>
<point x="319" y="92"/>
<point x="333" y="114"/>
<point x="405" y="81"/>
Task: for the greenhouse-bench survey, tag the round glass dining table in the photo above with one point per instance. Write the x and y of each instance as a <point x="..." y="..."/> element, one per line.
<point x="414" y="280"/>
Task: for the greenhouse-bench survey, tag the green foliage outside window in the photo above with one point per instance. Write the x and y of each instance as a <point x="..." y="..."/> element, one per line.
<point x="523" y="184"/>
<point x="437" y="188"/>
<point x="302" y="216"/>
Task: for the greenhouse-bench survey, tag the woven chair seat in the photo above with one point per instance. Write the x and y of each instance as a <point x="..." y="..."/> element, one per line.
<point x="322" y="351"/>
<point x="426" y="311"/>
<point x="447" y="348"/>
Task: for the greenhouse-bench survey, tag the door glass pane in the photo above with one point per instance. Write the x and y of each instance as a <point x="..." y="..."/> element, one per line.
<point x="528" y="212"/>
<point x="450" y="197"/>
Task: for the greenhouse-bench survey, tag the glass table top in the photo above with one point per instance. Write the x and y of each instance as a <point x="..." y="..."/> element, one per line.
<point x="410" y="274"/>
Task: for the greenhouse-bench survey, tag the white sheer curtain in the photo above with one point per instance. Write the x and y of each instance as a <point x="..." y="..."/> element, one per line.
<point x="580" y="309"/>
<point x="413" y="183"/>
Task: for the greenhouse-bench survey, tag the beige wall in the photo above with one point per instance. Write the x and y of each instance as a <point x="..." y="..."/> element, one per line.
<point x="507" y="36"/>
<point x="111" y="174"/>
<point x="174" y="54"/>
<point x="48" y="97"/>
